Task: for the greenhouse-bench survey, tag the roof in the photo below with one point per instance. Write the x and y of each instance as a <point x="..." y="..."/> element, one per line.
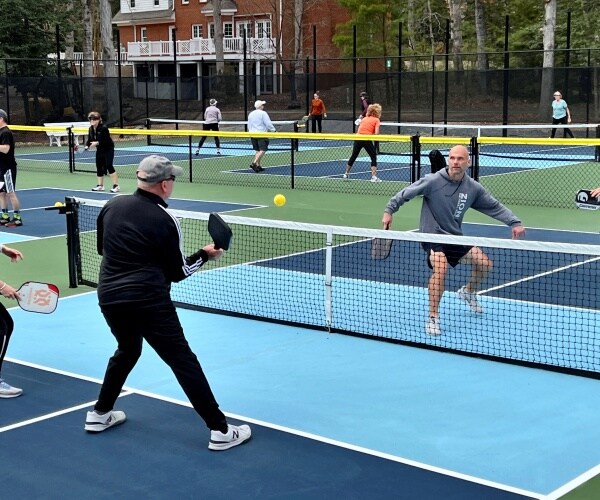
<point x="226" y="5"/>
<point x="149" y="15"/>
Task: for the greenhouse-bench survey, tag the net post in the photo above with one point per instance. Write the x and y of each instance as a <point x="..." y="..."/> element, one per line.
<point x="73" y="246"/>
<point x="597" y="149"/>
<point x="415" y="146"/>
<point x="71" y="146"/>
<point x="292" y="164"/>
<point x="148" y="127"/>
<point x="190" y="156"/>
<point x="474" y="158"/>
<point x="295" y="141"/>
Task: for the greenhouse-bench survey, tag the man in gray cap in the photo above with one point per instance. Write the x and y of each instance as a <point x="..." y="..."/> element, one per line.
<point x="259" y="121"/>
<point x="141" y="247"/>
<point x="8" y="175"/>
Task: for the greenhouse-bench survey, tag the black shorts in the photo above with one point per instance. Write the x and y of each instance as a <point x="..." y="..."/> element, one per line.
<point x="260" y="144"/>
<point x="453" y="253"/>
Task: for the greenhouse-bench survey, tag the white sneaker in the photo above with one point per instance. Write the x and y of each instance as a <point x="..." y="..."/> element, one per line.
<point x="99" y="187"/>
<point x="375" y="179"/>
<point x="115" y="189"/>
<point x="8" y="391"/>
<point x="218" y="153"/>
<point x="346" y="176"/>
<point x="197" y="153"/>
<point x="236" y="435"/>
<point x="433" y="326"/>
<point x="95" y="422"/>
<point x="471" y="300"/>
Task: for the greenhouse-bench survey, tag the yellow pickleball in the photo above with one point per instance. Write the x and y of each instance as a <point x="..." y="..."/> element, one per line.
<point x="279" y="200"/>
<point x="59" y="204"/>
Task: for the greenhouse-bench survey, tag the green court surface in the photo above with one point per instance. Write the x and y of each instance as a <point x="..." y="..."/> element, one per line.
<point x="46" y="259"/>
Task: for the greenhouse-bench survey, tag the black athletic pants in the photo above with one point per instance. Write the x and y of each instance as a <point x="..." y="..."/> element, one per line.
<point x="160" y="327"/>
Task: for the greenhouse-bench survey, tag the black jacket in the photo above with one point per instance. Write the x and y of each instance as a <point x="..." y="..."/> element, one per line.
<point x="142" y="249"/>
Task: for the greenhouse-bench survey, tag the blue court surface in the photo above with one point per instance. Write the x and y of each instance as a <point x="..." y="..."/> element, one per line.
<point x="331" y="416"/>
<point x="41" y="223"/>
<point x="495" y="159"/>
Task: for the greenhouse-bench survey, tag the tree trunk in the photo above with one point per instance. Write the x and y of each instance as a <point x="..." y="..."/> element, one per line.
<point x="108" y="58"/>
<point x="455" y="8"/>
<point x="219" y="53"/>
<point x="548" y="65"/>
<point x="431" y="36"/>
<point x="481" y="34"/>
<point x="87" y="67"/>
<point x="410" y="25"/>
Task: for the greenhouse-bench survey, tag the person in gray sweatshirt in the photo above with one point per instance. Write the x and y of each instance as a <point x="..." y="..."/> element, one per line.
<point x="447" y="195"/>
<point x="212" y="117"/>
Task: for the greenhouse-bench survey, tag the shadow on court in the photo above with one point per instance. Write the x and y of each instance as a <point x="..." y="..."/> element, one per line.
<point x="161" y="452"/>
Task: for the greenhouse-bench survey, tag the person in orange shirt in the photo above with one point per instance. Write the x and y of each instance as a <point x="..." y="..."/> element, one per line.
<point x="317" y="112"/>
<point x="368" y="126"/>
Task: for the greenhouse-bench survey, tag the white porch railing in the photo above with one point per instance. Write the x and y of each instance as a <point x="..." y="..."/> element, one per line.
<point x="78" y="57"/>
<point x="200" y="47"/>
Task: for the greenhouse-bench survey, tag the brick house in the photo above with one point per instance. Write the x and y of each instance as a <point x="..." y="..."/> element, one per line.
<point x="167" y="40"/>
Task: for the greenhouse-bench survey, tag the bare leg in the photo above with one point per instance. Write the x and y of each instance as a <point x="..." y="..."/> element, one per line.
<point x="258" y="156"/>
<point x="481" y="265"/>
<point x="437" y="282"/>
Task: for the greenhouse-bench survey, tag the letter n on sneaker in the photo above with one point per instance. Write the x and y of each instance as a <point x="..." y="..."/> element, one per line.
<point x="234" y="436"/>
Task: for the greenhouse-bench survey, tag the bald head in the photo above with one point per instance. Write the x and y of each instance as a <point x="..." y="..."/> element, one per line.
<point x="458" y="162"/>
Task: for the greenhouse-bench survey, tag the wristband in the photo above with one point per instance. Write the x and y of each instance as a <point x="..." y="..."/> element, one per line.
<point x="2" y="287"/>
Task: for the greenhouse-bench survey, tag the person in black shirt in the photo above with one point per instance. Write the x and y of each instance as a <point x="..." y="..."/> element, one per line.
<point x="141" y="247"/>
<point x="8" y="175"/>
<point x="100" y="139"/>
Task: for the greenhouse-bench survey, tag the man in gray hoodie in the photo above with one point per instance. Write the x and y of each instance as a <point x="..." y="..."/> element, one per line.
<point x="447" y="195"/>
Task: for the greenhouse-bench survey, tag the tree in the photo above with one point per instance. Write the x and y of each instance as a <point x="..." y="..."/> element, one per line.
<point x="218" y="40"/>
<point x="548" y="65"/>
<point x="27" y="37"/>
<point x="455" y="8"/>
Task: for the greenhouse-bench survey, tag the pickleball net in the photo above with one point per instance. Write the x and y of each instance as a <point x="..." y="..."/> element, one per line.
<point x="234" y="143"/>
<point x="540" y="301"/>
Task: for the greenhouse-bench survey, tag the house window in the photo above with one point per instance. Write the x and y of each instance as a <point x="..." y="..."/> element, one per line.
<point x="156" y="3"/>
<point x="228" y="30"/>
<point x="132" y="4"/>
<point x="211" y="30"/>
<point x="244" y="29"/>
<point x="263" y="29"/>
<point x="197" y="31"/>
<point x="143" y="34"/>
<point x="185" y="2"/>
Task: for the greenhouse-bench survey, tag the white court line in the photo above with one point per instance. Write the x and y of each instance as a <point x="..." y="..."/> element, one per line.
<point x="539" y="275"/>
<point x="340" y="444"/>
<point x="571" y="485"/>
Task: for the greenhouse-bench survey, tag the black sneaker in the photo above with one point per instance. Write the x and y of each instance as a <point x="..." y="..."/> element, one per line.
<point x="260" y="169"/>
<point x="255" y="167"/>
<point x="4" y="220"/>
<point x="16" y="221"/>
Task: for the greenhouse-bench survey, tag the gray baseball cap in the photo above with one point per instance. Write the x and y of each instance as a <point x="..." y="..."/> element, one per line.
<point x="3" y="115"/>
<point x="154" y="169"/>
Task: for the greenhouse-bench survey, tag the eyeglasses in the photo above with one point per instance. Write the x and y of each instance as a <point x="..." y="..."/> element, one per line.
<point x="170" y="178"/>
<point x="92" y="118"/>
<point x="556" y="95"/>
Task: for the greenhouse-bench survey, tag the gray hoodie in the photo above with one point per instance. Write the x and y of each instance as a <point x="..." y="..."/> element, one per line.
<point x="445" y="202"/>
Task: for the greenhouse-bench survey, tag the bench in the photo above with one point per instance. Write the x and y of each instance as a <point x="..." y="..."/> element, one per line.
<point x="61" y="130"/>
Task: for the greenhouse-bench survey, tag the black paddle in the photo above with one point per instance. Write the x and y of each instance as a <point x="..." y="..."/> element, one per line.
<point x="219" y="231"/>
